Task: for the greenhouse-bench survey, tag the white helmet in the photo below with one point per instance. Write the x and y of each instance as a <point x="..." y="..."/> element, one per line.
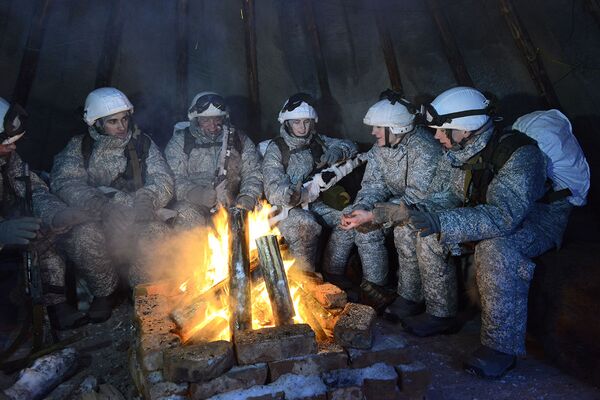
<point x="103" y="102"/>
<point x="207" y="104"/>
<point x="298" y="106"/>
<point x="390" y="114"/>
<point x="4" y="106"/>
<point x="461" y="108"/>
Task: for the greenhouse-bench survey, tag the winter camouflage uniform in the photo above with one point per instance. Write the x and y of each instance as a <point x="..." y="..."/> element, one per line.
<point x="399" y="173"/>
<point x="200" y="167"/>
<point x="512" y="228"/>
<point x="95" y="251"/>
<point x="45" y="206"/>
<point x="302" y="228"/>
<point x="424" y="271"/>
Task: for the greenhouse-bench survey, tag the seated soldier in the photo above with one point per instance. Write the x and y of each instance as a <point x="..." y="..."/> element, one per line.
<point x="289" y="160"/>
<point x="120" y="178"/>
<point x="214" y="164"/>
<point x="501" y="213"/>
<point x="50" y="216"/>
<point x="399" y="168"/>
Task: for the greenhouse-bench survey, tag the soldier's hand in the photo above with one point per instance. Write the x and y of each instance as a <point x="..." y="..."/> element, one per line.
<point x="390" y="213"/>
<point x="332" y="156"/>
<point x="224" y="196"/>
<point x="293" y="194"/>
<point x="69" y="217"/>
<point x="202" y="196"/>
<point x="143" y="206"/>
<point x="18" y="230"/>
<point x="355" y="219"/>
<point x="246" y="202"/>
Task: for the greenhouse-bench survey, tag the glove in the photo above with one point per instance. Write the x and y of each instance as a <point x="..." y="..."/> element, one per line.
<point x="246" y="202"/>
<point x="117" y="219"/>
<point x="293" y="195"/>
<point x="143" y="206"/>
<point x="332" y="155"/>
<point x="224" y="196"/>
<point x="202" y="196"/>
<point x="390" y="213"/>
<point x="18" y="230"/>
<point x="425" y="222"/>
<point x="69" y="217"/>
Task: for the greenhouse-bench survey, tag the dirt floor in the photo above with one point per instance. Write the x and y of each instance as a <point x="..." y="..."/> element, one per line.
<point x="105" y="346"/>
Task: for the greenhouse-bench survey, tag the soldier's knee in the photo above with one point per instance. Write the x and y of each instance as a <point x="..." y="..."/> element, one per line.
<point x="492" y="258"/>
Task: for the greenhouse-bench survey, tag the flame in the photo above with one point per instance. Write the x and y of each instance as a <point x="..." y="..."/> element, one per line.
<point x="216" y="270"/>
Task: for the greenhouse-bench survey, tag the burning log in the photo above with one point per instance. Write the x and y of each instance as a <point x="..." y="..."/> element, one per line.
<point x="210" y="329"/>
<point x="240" y="299"/>
<point x="271" y="265"/>
<point x="185" y="315"/>
<point x="318" y="317"/>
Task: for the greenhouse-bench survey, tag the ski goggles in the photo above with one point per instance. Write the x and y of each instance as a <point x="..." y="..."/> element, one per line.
<point x="395" y="97"/>
<point x="14" y="124"/>
<point x="432" y="118"/>
<point x="296" y="100"/>
<point x="205" y="101"/>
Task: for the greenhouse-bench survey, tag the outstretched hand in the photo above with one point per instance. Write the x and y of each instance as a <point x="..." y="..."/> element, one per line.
<point x="355" y="219"/>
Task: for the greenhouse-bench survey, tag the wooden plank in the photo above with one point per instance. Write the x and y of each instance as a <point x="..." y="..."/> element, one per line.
<point x="453" y="54"/>
<point x="249" y="18"/>
<point x="110" y="45"/>
<point x="530" y="54"/>
<point x="181" y="72"/>
<point x="387" y="47"/>
<point x="31" y="55"/>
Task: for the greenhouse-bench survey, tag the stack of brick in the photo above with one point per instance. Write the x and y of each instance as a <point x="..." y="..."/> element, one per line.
<point x="285" y="362"/>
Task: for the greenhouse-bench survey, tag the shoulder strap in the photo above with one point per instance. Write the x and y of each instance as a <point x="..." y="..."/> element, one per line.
<point x="137" y="153"/>
<point x="189" y="142"/>
<point x="87" y="144"/>
<point x="489" y="161"/>
<point x="284" y="149"/>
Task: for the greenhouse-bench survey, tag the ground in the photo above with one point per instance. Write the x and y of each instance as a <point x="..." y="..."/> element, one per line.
<point x="105" y="347"/>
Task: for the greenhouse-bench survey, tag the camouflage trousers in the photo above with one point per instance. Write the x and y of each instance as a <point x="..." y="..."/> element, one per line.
<point x="504" y="269"/>
<point x="424" y="273"/>
<point x="302" y="231"/>
<point x="102" y="258"/>
<point x="371" y="249"/>
<point x="190" y="216"/>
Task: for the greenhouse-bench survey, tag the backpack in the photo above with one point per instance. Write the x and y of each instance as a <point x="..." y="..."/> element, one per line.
<point x="136" y="153"/>
<point x="566" y="164"/>
<point x="316" y="147"/>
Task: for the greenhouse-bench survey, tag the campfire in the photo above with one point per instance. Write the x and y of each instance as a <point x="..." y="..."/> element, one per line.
<point x="236" y="314"/>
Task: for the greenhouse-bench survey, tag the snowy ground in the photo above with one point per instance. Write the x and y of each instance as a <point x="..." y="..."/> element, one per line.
<point x="104" y="356"/>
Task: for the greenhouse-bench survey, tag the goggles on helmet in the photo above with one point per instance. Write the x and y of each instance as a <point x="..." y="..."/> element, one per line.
<point x="296" y="100"/>
<point x="395" y="97"/>
<point x="13" y="124"/>
<point x="205" y="101"/>
<point x="432" y="118"/>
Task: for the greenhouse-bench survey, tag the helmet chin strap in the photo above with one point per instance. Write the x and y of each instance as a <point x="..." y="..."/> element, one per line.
<point x="456" y="146"/>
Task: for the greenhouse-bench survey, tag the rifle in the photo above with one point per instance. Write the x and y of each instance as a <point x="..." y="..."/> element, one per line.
<point x="320" y="182"/>
<point x="224" y="156"/>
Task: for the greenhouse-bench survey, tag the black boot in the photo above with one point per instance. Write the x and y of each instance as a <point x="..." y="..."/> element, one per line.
<point x="402" y="308"/>
<point x="376" y="296"/>
<point x="101" y="307"/>
<point x="486" y="362"/>
<point x="64" y="316"/>
<point x="428" y="325"/>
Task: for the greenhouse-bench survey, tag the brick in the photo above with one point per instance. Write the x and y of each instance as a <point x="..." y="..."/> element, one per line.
<point x="414" y="379"/>
<point x="346" y="393"/>
<point x="241" y="377"/>
<point x="390" y="349"/>
<point x="330" y="296"/>
<point x="380" y="389"/>
<point x="152" y="305"/>
<point x="198" y="362"/>
<point x="354" y="326"/>
<point x="167" y="389"/>
<point x="328" y="358"/>
<point x="151" y="347"/>
<point x="276" y="343"/>
<point x="356" y="376"/>
<point x="148" y="325"/>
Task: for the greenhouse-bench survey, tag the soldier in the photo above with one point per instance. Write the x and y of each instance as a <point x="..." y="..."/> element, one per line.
<point x="495" y="179"/>
<point x="51" y="217"/>
<point x="120" y="178"/>
<point x="214" y="163"/>
<point x="289" y="160"/>
<point x="400" y="167"/>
